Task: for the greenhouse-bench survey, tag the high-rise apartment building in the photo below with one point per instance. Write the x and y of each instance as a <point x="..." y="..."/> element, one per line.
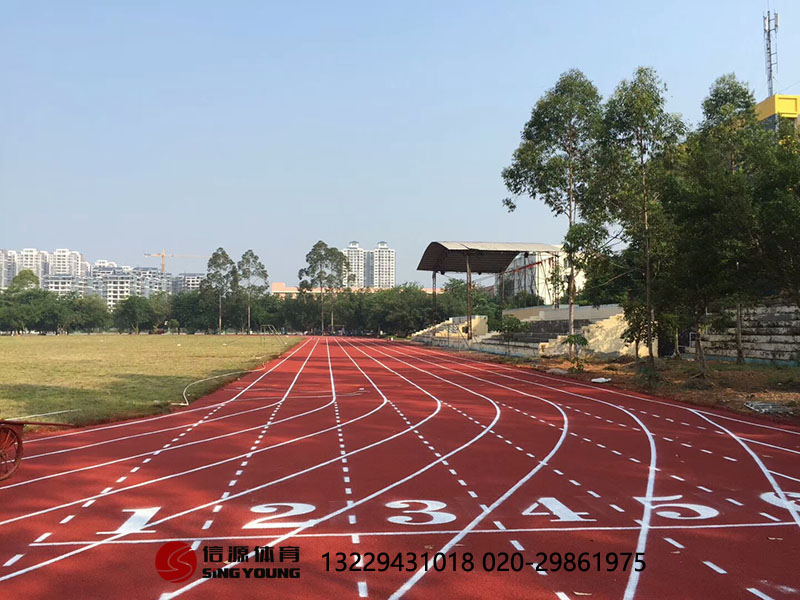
<point x="383" y="266"/>
<point x="31" y="259"/>
<point x="370" y="268"/>
<point x="354" y="275"/>
<point x="8" y="267"/>
<point x="66" y="262"/>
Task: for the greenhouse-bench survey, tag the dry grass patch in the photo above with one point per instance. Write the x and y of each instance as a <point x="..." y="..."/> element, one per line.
<point x="109" y="377"/>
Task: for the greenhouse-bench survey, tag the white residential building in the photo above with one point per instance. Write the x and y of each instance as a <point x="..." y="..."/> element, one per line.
<point x="187" y="282"/>
<point x="65" y="262"/>
<point x="64" y="284"/>
<point x="8" y="267"/>
<point x="104" y="263"/>
<point x="354" y="275"/>
<point x="33" y="260"/>
<point x="383" y="266"/>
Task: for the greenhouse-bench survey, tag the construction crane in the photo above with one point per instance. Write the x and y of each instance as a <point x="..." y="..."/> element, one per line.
<point x="164" y="256"/>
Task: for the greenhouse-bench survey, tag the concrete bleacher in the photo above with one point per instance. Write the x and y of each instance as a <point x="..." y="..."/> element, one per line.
<point x="770" y="333"/>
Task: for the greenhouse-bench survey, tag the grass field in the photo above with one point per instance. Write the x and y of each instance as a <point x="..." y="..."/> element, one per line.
<point x="102" y="378"/>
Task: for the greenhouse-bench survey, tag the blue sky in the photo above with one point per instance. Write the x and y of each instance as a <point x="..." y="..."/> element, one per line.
<point x="126" y="127"/>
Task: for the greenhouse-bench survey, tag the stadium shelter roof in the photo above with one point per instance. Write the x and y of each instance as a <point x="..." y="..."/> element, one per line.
<point x="484" y="257"/>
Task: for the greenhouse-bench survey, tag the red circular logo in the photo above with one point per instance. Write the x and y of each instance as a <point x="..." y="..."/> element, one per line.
<point x="176" y="561"/>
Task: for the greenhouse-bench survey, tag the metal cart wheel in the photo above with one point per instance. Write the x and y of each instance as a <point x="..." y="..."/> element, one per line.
<point x="10" y="450"/>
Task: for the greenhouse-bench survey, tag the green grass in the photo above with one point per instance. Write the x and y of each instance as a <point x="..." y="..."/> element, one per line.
<point x="101" y="378"/>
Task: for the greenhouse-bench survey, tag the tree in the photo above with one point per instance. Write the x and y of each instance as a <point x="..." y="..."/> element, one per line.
<point x="251" y="272"/>
<point x="23" y="280"/>
<point x="220" y="278"/>
<point x="133" y="314"/>
<point x="555" y="160"/>
<point x="161" y="304"/>
<point x="778" y="213"/>
<point x="637" y="133"/>
<point x="325" y="269"/>
<point x="91" y="313"/>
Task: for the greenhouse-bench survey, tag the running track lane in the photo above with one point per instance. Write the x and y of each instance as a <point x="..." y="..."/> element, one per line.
<point x="386" y="447"/>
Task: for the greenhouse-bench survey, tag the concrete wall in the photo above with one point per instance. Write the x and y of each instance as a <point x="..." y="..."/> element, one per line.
<point x="548" y="313"/>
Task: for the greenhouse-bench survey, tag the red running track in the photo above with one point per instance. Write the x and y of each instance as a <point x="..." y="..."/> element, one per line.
<point x="361" y="446"/>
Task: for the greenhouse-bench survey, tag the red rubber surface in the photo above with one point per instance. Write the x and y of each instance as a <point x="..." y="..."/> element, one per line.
<point x="506" y="460"/>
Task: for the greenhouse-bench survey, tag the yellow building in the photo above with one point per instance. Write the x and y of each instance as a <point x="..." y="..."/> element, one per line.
<point x="779" y="106"/>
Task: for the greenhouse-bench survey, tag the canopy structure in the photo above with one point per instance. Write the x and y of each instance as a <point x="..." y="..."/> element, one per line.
<point x="474" y="257"/>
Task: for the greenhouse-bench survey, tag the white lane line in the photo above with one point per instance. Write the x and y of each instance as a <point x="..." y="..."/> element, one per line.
<point x="42" y="537"/>
<point x="704" y="489"/>
<point x="351" y="519"/>
<point x="87" y="504"/>
<point x="769" y="516"/>
<point x="595" y="494"/>
<point x="562" y="596"/>
<point x="573" y="482"/>
<point x="362" y="589"/>
<point x="220" y="405"/>
<point x="785" y="476"/>
<point x="714" y="567"/>
<point x="517" y="546"/>
<point x="730" y="459"/>
<point x="617" y="508"/>
<point x="790" y="506"/>
<point x="207" y="524"/>
<point x="677" y="477"/>
<point x="759" y="594"/>
<point x="674" y="543"/>
<point x="633" y="578"/>
<point x="12" y="560"/>
<point x="732" y="501"/>
<point x="472" y="494"/>
<point x="465" y="531"/>
<point x="67" y="519"/>
<point x="499" y="525"/>
<point x="538" y="375"/>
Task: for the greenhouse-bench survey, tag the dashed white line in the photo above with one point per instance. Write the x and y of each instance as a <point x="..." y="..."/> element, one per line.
<point x="67" y="519"/>
<point x="12" y="560"/>
<point x="617" y="508"/>
<point x="759" y="594"/>
<point x="714" y="567"/>
<point x="42" y="537"/>
<point x="674" y="543"/>
<point x="517" y="546"/>
<point x="362" y="589"/>
<point x="732" y="501"/>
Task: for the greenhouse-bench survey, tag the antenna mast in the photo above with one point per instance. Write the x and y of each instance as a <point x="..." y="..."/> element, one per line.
<point x="771" y="48"/>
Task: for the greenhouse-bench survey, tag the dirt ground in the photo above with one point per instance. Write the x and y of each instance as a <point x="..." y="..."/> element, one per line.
<point x="728" y="385"/>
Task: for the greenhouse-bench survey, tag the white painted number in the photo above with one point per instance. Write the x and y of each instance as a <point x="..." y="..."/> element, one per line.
<point x="295" y="508"/>
<point x="775" y="500"/>
<point x="660" y="503"/>
<point x="431" y="508"/>
<point x="136" y="522"/>
<point x="555" y="508"/>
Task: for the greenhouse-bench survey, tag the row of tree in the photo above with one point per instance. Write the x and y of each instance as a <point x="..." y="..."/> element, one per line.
<point x="397" y="311"/>
<point x="674" y="222"/>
